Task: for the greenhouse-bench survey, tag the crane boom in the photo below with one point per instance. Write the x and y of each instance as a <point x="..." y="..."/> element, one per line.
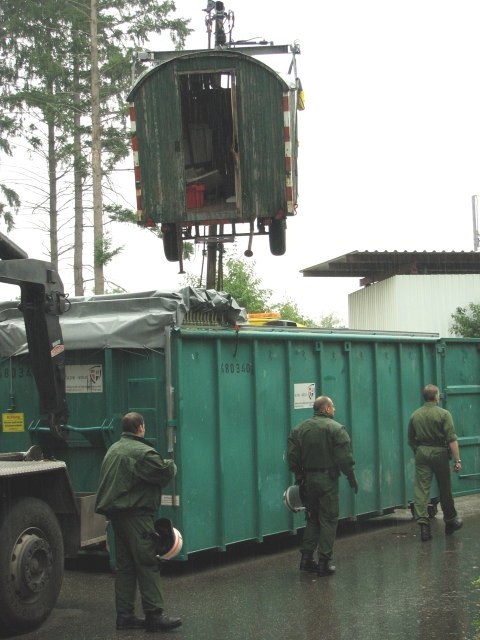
<point x="42" y="302"/>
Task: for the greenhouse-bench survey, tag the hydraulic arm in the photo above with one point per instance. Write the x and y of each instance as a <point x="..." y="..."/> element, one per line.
<point x="42" y="302"/>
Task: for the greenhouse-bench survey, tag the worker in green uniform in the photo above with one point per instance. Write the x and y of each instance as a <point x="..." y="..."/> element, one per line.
<point x="431" y="436"/>
<point x="318" y="449"/>
<point x="129" y="495"/>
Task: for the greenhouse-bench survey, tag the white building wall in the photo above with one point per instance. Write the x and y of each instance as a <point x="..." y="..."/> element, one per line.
<point x="419" y="303"/>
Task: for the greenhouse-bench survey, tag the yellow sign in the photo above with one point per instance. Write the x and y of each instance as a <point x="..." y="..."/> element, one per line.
<point x="13" y="422"/>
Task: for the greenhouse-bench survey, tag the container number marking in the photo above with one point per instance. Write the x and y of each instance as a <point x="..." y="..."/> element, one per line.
<point x="236" y="367"/>
<point x="15" y="372"/>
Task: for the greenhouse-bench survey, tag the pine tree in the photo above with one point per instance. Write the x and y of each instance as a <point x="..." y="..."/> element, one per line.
<point x="67" y="90"/>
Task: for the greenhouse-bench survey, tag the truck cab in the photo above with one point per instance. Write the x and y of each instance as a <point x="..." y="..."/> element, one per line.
<point x="40" y="515"/>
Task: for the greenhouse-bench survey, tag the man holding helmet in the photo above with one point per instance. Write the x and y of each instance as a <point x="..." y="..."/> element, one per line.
<point x="129" y="495"/>
<point x="319" y="449"/>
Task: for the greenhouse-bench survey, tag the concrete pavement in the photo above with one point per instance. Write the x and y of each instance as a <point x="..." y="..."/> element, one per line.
<point x="388" y="586"/>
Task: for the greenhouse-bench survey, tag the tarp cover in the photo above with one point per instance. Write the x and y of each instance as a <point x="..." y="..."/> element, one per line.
<point x="129" y="320"/>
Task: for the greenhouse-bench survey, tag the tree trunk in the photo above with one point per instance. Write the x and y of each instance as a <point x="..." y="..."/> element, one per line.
<point x="52" y="186"/>
<point x="96" y="156"/>
<point x="78" y="187"/>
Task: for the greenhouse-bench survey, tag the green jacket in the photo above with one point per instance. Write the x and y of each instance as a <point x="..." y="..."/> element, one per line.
<point x="132" y="476"/>
<point x="430" y="425"/>
<point x="319" y="443"/>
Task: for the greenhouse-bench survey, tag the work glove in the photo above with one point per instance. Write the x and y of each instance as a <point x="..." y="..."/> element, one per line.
<point x="352" y="481"/>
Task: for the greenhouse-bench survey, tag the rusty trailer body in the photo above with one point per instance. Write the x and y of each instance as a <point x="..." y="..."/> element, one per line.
<point x="214" y="135"/>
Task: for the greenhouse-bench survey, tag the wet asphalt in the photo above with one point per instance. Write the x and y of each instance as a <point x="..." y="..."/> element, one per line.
<point x="389" y="586"/>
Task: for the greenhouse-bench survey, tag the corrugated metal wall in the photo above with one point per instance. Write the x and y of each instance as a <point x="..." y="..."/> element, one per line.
<point x="421" y="303"/>
<point x="462" y="397"/>
<point x="236" y="404"/>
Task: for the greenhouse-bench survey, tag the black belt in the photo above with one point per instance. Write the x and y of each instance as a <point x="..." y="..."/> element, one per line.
<point x="316" y="470"/>
<point x="429" y="444"/>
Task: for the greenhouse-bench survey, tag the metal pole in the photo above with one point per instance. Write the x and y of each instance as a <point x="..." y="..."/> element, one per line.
<point x="212" y="259"/>
<point x="220" y="37"/>
<point x="213" y="248"/>
<point x="475" y="222"/>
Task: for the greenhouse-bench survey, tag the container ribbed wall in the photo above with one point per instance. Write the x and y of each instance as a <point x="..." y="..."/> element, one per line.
<point x="234" y="401"/>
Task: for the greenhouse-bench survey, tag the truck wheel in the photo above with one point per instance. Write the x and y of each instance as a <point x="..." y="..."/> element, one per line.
<point x="31" y="564"/>
<point x="277" y="237"/>
<point x="170" y="245"/>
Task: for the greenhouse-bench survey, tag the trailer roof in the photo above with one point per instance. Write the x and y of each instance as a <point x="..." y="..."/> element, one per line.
<point x="374" y="266"/>
<point x="163" y="59"/>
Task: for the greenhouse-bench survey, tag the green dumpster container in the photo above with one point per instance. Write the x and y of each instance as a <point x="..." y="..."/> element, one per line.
<point x="221" y="399"/>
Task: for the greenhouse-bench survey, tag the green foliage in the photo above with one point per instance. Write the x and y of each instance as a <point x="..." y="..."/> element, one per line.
<point x="188" y="250"/>
<point x="9" y="199"/>
<point x="241" y="282"/>
<point x="45" y="65"/>
<point x="289" y="311"/>
<point x="103" y="252"/>
<point x="191" y="280"/>
<point x="117" y="213"/>
<point x="476" y="621"/>
<point x="115" y="289"/>
<point x="466" y="321"/>
<point x="330" y="321"/>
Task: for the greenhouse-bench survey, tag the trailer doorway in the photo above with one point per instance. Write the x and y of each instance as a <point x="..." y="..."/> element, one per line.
<point x="210" y="141"/>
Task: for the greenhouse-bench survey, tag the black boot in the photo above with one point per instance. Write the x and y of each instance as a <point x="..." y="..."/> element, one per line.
<point x="325" y="568"/>
<point x="159" y="621"/>
<point x="129" y="621"/>
<point x="425" y="533"/>
<point x="307" y="563"/>
<point x="454" y="525"/>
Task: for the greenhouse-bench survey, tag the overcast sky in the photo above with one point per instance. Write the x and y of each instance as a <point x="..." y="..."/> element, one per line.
<point x="389" y="140"/>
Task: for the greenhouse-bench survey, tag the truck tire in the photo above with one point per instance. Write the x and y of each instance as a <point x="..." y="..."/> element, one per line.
<point x="277" y="237"/>
<point x="31" y="564"/>
<point x="170" y="243"/>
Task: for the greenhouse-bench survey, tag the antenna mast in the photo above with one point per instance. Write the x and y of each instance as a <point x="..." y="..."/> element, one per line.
<point x="475" y="222"/>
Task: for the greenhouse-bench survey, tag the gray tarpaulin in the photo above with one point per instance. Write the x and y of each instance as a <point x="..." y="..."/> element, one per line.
<point x="129" y="320"/>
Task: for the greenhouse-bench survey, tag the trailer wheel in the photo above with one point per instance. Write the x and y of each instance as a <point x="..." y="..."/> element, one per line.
<point x="277" y="237"/>
<point x="31" y="564"/>
<point x="170" y="244"/>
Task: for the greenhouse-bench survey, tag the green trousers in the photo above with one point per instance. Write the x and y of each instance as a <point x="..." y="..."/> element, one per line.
<point x="136" y="563"/>
<point x="429" y="462"/>
<point x="322" y="515"/>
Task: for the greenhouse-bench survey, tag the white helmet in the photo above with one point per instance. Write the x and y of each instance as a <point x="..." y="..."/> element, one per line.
<point x="293" y="500"/>
<point x="170" y="541"/>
